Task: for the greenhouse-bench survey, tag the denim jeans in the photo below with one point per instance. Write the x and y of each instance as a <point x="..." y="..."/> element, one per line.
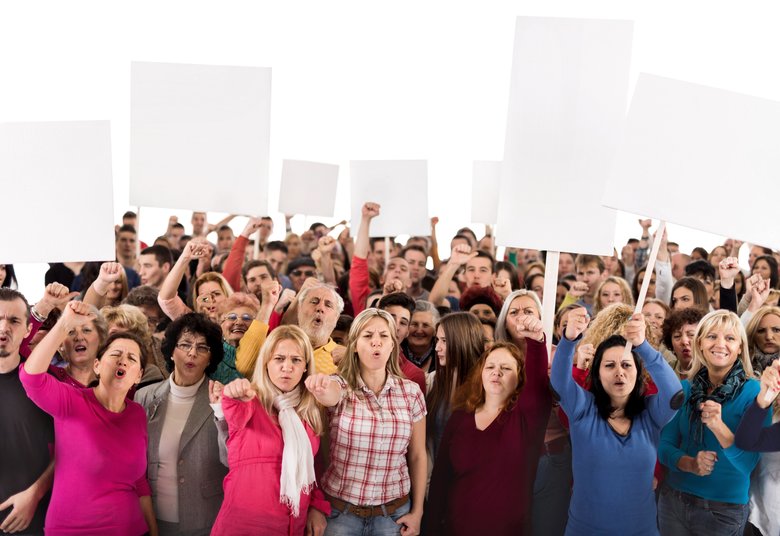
<point x="686" y="515"/>
<point x="552" y="493"/>
<point x="343" y="523"/>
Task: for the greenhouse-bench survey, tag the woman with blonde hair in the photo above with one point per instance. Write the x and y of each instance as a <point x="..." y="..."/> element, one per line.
<point x="612" y="290"/>
<point x="706" y="490"/>
<point x="376" y="479"/>
<point x="208" y="290"/>
<point x="763" y="333"/>
<point x="274" y="427"/>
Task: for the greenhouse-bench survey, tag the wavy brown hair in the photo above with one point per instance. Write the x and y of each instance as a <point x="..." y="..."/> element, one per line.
<point x="471" y="395"/>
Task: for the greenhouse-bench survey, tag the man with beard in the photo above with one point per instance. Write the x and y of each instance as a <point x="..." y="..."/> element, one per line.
<point x="319" y="307"/>
<point x="316" y="310"/>
<point x="26" y="469"/>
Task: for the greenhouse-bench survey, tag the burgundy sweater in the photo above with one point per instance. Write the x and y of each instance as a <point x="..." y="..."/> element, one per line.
<point x="482" y="481"/>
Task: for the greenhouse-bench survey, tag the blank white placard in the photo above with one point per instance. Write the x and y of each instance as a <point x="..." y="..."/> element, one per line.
<point x="701" y="157"/>
<point x="400" y="187"/>
<point x="57" y="192"/>
<point x="200" y="137"/>
<point x="308" y="188"/>
<point x="485" y="183"/>
<point x="567" y="103"/>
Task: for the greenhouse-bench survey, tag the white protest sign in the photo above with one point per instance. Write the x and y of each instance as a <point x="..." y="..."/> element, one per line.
<point x="200" y="137"/>
<point x="57" y="192"/>
<point x="308" y="188"/>
<point x="701" y="157"/>
<point x="484" y="192"/>
<point x="567" y="104"/>
<point x="400" y="187"/>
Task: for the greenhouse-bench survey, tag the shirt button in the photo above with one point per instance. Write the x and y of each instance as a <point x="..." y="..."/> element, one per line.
<point x="181" y="480"/>
<point x="181" y="462"/>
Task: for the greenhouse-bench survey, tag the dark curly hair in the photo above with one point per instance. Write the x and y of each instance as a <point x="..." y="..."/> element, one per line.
<point x="636" y="400"/>
<point x="678" y="319"/>
<point x="197" y="324"/>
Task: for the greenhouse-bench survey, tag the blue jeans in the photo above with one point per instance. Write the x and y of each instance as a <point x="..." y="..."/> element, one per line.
<point x="343" y="523"/>
<point x="681" y="514"/>
<point x="552" y="493"/>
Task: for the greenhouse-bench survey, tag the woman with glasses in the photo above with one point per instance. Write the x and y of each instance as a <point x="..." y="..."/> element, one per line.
<point x="184" y="470"/>
<point x="207" y="292"/>
<point x="236" y="314"/>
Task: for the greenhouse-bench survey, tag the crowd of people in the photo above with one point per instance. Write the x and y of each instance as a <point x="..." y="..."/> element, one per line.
<point x="208" y="384"/>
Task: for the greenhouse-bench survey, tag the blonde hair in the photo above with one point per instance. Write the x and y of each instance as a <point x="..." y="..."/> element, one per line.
<point x="213" y="277"/>
<point x="752" y="326"/>
<point x="128" y="318"/>
<point x="349" y="367"/>
<point x="719" y="319"/>
<point x="610" y="321"/>
<point x="625" y="292"/>
<point x="308" y="409"/>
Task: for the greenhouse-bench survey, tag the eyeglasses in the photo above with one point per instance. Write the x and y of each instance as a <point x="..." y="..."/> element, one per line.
<point x="233" y="317"/>
<point x="307" y="273"/>
<point x="200" y="349"/>
<point x="210" y="297"/>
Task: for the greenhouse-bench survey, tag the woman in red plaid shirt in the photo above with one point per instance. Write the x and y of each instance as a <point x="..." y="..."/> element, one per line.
<point x="377" y="474"/>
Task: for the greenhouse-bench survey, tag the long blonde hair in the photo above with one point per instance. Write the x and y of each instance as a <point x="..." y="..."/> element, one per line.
<point x="723" y="319"/>
<point x="308" y="409"/>
<point x="349" y="367"/>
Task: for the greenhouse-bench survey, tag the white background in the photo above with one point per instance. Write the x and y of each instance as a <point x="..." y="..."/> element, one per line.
<point x="354" y="80"/>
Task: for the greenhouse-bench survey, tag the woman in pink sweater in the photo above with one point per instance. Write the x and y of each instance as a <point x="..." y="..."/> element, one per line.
<point x="274" y="425"/>
<point x="100" y="482"/>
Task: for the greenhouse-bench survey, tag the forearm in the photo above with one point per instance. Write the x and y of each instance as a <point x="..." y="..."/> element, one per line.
<point x="95" y="295"/>
<point x="232" y="268"/>
<point x="170" y="286"/>
<point x="752" y="435"/>
<point x="439" y="290"/>
<point x="290" y="316"/>
<point x="42" y="486"/>
<point x="148" y="510"/>
<point x="40" y="358"/>
<point x="362" y="239"/>
<point x="418" y="474"/>
<point x="327" y="269"/>
<point x="723" y="434"/>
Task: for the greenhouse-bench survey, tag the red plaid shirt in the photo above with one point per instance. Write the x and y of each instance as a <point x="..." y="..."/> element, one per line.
<point x="369" y="437"/>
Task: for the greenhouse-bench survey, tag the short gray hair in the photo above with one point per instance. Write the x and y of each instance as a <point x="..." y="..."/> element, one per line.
<point x="339" y="300"/>
<point x="423" y="306"/>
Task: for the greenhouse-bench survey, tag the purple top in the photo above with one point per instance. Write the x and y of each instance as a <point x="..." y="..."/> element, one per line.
<point x="100" y="461"/>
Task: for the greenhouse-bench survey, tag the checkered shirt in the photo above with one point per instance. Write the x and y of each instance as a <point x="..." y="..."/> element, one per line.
<point x="369" y="437"/>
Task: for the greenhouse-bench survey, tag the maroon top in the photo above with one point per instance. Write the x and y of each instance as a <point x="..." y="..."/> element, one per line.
<point x="483" y="480"/>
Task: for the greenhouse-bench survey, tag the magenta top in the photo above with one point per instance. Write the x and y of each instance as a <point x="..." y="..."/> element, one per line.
<point x="99" y="461"/>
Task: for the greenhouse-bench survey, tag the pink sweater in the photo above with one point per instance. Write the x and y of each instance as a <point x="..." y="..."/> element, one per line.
<point x="251" y="504"/>
<point x="100" y="461"/>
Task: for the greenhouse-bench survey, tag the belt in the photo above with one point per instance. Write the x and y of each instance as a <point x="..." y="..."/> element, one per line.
<point x="556" y="446"/>
<point x="368" y="510"/>
<point x="693" y="500"/>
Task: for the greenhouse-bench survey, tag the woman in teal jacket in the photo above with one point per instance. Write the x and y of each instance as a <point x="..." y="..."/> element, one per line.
<point x="706" y="490"/>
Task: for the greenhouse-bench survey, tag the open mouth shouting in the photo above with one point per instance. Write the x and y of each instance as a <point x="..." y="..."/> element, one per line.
<point x="120" y="373"/>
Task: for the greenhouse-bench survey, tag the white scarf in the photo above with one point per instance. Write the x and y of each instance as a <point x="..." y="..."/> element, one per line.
<point x="297" y="459"/>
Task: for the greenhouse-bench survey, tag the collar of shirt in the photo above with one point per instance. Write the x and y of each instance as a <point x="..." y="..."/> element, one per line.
<point x="390" y="383"/>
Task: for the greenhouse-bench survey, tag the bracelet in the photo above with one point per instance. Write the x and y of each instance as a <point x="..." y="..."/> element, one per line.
<point x="36" y="315"/>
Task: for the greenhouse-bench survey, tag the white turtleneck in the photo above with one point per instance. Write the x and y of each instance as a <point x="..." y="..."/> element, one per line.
<point x="180" y="402"/>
